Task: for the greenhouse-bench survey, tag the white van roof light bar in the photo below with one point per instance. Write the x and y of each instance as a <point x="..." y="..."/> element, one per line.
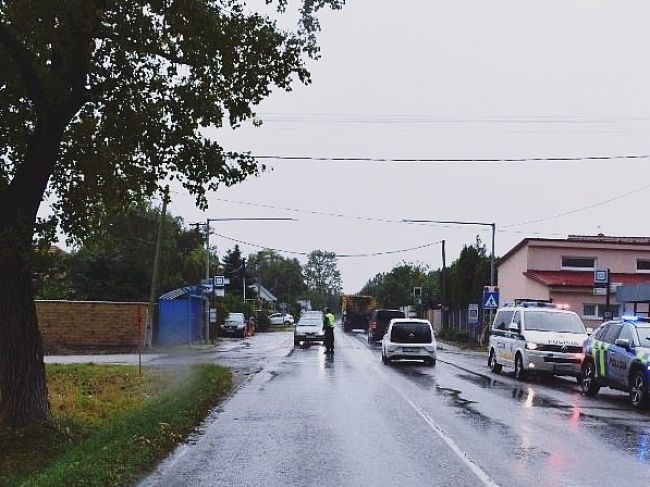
<point x="534" y="303"/>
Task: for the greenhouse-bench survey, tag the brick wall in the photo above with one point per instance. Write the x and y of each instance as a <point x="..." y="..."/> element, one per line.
<point x="68" y="326"/>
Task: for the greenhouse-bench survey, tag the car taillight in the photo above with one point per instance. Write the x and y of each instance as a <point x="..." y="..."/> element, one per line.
<point x="373" y="324"/>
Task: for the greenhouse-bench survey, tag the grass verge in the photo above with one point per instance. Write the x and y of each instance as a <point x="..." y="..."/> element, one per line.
<point x="110" y="426"/>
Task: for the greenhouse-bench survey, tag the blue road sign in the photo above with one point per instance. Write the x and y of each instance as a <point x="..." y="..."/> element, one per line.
<point x="490" y="299"/>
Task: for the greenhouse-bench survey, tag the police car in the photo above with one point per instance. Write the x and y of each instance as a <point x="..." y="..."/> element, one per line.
<point x="535" y="336"/>
<point x="617" y="355"/>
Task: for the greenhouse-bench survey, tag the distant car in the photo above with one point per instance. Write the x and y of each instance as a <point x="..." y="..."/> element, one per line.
<point x="535" y="336"/>
<point x="234" y="325"/>
<point x="281" y="319"/>
<point x="309" y="328"/>
<point x="410" y="339"/>
<point x="617" y="355"/>
<point x="378" y="322"/>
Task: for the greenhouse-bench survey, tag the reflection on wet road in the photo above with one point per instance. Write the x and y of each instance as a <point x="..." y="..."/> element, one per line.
<point x="303" y="418"/>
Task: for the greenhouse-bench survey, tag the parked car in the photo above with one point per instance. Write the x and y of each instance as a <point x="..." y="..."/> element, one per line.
<point x="410" y="339"/>
<point x="281" y="319"/>
<point x="234" y="325"/>
<point x="309" y="328"/>
<point x="378" y="322"/>
<point x="617" y="355"/>
<point x="536" y="336"/>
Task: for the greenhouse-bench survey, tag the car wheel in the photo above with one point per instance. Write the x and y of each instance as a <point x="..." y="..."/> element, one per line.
<point x="589" y="384"/>
<point x="287" y="323"/>
<point x="495" y="367"/>
<point x="385" y="359"/>
<point x="579" y="379"/>
<point x="520" y="373"/>
<point x="296" y="342"/>
<point x="430" y="362"/>
<point x="639" y="390"/>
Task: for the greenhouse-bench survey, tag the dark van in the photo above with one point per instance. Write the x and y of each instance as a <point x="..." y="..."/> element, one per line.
<point x="378" y="323"/>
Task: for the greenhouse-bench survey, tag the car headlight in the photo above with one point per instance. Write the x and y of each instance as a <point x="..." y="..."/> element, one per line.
<point x="531" y="345"/>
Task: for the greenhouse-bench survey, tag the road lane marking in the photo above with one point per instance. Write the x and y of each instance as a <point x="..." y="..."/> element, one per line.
<point x="476" y="469"/>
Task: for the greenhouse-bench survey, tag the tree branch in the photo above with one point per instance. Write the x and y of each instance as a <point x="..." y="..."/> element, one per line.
<point x="24" y="62"/>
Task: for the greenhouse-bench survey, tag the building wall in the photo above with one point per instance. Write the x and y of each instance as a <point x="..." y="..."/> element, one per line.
<point x="68" y="326"/>
<point x="620" y="259"/>
<point x="547" y="256"/>
<point x="512" y="282"/>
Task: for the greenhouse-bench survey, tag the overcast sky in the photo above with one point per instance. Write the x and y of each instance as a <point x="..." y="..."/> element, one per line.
<point x="451" y="79"/>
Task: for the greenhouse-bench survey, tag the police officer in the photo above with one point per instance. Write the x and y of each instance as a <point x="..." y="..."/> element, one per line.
<point x="328" y="328"/>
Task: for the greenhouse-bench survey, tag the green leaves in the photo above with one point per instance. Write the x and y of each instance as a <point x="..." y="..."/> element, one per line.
<point x="142" y="88"/>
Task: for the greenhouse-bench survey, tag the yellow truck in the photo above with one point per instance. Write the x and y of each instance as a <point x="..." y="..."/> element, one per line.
<point x="356" y="311"/>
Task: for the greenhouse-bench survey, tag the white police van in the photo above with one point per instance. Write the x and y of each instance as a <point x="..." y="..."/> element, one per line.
<point x="536" y="336"/>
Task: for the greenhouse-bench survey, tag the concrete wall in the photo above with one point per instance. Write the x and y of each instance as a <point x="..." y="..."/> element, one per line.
<point x="70" y="326"/>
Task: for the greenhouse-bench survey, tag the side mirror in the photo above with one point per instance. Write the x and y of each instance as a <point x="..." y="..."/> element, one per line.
<point x="501" y="326"/>
<point x="590" y="331"/>
<point x="623" y="343"/>
<point x="513" y="327"/>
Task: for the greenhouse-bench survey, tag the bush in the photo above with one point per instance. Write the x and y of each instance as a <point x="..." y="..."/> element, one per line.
<point x="454" y="335"/>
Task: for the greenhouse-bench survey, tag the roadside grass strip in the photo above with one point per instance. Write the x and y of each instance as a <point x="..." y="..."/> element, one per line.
<point x="110" y="425"/>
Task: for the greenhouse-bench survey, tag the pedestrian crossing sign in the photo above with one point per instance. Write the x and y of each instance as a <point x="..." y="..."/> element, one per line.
<point x="490" y="299"/>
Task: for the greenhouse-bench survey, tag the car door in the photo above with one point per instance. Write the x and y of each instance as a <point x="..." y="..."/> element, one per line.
<point x="619" y="358"/>
<point x="500" y="326"/>
<point x="605" y="363"/>
<point x="513" y="334"/>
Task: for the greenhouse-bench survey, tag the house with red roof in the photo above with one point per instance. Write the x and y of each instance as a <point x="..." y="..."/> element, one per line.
<point x="562" y="270"/>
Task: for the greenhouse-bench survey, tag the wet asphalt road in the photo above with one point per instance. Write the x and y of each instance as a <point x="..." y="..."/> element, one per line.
<point x="301" y="419"/>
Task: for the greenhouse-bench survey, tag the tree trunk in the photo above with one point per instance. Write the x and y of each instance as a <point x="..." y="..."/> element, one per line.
<point x="23" y="391"/>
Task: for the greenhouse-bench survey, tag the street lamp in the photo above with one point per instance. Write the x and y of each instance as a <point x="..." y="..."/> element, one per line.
<point x="452" y="222"/>
<point x="207" y="252"/>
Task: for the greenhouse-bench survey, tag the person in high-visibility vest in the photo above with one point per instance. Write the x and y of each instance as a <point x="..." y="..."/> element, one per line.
<point x="328" y="328"/>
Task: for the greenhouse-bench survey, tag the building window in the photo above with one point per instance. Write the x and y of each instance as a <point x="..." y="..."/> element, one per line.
<point x="642" y="265"/>
<point x="597" y="310"/>
<point x="579" y="263"/>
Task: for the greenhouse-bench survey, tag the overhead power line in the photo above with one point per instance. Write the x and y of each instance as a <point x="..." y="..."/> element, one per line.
<point x="578" y="210"/>
<point x="341" y="256"/>
<point x="628" y="157"/>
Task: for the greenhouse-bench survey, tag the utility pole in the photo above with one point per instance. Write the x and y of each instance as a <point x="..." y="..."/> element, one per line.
<point x="243" y="270"/>
<point x="443" y="291"/>
<point x="153" y="289"/>
<point x="206" y="331"/>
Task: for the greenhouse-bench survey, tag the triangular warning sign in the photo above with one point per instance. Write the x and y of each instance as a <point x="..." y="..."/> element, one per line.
<point x="490" y="302"/>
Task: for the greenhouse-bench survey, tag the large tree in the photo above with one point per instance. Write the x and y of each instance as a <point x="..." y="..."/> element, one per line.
<point x="321" y="272"/>
<point x="107" y="101"/>
<point x="282" y="276"/>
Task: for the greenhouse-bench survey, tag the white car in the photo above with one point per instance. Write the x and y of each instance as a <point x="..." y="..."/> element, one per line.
<point x="309" y="328"/>
<point x="234" y="325"/>
<point x="411" y="339"/>
<point x="537" y="336"/>
<point x="281" y="319"/>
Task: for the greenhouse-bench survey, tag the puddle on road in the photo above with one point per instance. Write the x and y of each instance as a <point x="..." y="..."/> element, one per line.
<point x="631" y="438"/>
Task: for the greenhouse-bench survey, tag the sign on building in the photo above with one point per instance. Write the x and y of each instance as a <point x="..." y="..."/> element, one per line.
<point x="601" y="277"/>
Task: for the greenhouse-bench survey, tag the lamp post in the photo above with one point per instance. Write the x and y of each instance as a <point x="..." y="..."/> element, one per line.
<point x="484" y="224"/>
<point x="493" y="226"/>
<point x="207" y="255"/>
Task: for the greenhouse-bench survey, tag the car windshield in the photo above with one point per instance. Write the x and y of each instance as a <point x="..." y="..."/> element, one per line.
<point x="411" y="333"/>
<point x="310" y="322"/>
<point x="555" y="322"/>
<point x="644" y="336"/>
<point x="389" y="315"/>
